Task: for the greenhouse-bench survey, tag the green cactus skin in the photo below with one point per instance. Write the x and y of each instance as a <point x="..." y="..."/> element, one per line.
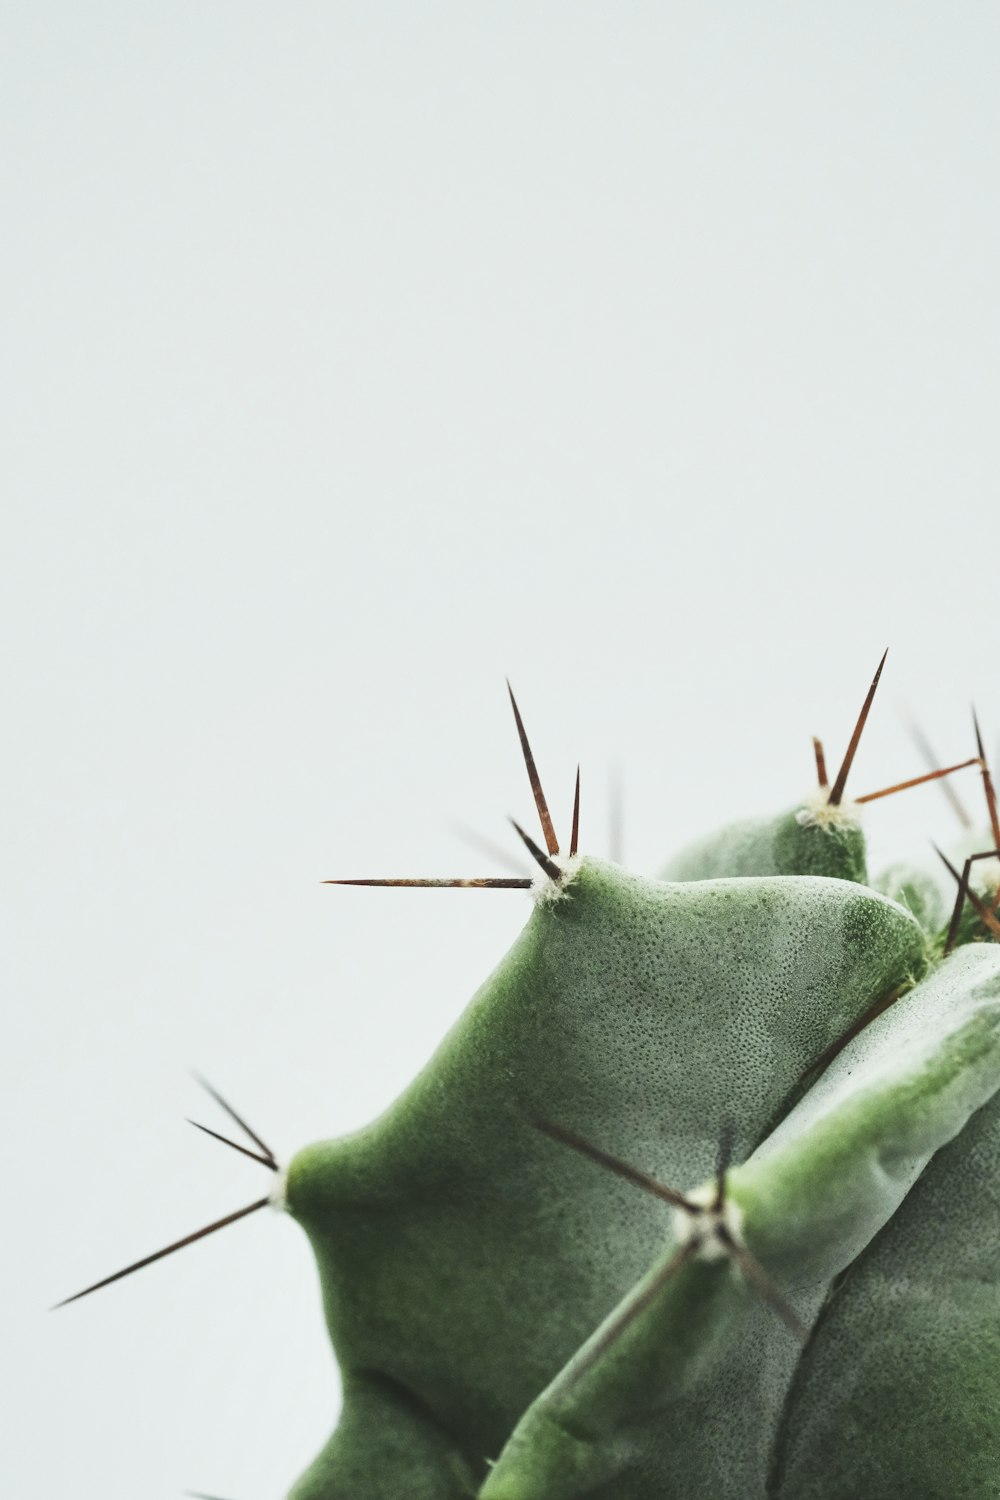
<point x="688" y="1400"/>
<point x="517" y="1320"/>
<point x="919" y="892"/>
<point x="898" y="1393"/>
<point x="463" y="1257"/>
<point x="386" y="1444"/>
<point x="801" y="841"/>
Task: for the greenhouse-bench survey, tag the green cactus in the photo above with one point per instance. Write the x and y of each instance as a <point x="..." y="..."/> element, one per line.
<point x="698" y="1197"/>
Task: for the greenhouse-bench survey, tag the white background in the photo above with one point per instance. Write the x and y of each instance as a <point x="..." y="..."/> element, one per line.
<point x="356" y="355"/>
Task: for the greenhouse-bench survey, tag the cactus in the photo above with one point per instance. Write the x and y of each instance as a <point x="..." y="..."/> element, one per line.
<point x="698" y="1196"/>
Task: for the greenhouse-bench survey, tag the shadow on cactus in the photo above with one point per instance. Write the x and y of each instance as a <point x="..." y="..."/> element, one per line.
<point x="699" y="1196"/>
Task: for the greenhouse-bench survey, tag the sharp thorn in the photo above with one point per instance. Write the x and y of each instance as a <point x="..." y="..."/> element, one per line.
<point x="549" y="833"/>
<point x="932" y="759"/>
<point x="820" y="1064"/>
<point x="613" y="1332"/>
<point x="147" y="1260"/>
<point x="988" y="787"/>
<point x="979" y="735"/>
<point x="956" y="914"/>
<point x="988" y="917"/>
<point x="484" y="845"/>
<point x="820" y="755"/>
<point x="574" y="841"/>
<point x="837" y="790"/>
<point x="253" y="1155"/>
<point x="237" y="1119"/>
<point x="965" y="892"/>
<point x="486" y="883"/>
<point x="903" y="786"/>
<point x="550" y="867"/>
<point x="723" y="1160"/>
<point x="762" y="1284"/>
<point x="614" y="1164"/>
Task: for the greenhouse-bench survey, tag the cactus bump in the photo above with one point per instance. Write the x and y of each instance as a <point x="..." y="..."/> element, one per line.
<point x="699" y="1197"/>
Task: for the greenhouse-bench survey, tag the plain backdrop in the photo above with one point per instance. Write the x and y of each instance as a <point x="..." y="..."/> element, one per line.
<point x="355" y="356"/>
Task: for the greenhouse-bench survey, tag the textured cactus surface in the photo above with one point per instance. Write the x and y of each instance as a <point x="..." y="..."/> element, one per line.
<point x="700" y="1196"/>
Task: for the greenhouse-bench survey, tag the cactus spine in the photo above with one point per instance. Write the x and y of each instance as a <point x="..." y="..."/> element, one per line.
<point x="698" y="1197"/>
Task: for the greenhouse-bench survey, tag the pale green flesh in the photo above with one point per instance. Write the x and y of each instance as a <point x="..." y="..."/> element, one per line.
<point x="919" y="892"/>
<point x="688" y="1400"/>
<point x="781" y="845"/>
<point x="385" y="1445"/>
<point x="463" y="1256"/>
<point x="898" y="1394"/>
<point x="928" y="889"/>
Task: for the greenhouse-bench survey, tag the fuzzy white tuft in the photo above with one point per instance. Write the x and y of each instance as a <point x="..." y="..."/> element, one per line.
<point x="818" y="812"/>
<point x="545" y="892"/>
<point x="702" y="1228"/>
<point x="279" y="1193"/>
<point x="985" y="876"/>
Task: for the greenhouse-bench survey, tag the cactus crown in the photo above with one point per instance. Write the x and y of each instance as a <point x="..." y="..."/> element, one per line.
<point x="699" y="1194"/>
